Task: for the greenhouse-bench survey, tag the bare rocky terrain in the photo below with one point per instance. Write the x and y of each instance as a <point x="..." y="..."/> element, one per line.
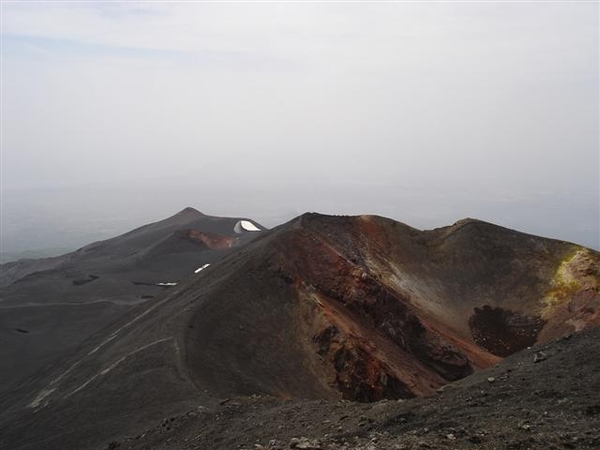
<point x="50" y="306"/>
<point x="329" y="332"/>
<point x="547" y="397"/>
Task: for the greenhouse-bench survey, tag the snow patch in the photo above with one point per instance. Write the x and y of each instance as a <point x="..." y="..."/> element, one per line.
<point x="245" y="225"/>
<point x="200" y="269"/>
<point x="166" y="284"/>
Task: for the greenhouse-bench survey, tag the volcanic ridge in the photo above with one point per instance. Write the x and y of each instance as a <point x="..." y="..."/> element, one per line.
<point x="322" y="308"/>
<point x="61" y="301"/>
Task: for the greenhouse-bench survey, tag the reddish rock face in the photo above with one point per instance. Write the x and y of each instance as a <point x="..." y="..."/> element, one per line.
<point x="375" y="343"/>
<point x="374" y="309"/>
<point x="213" y="241"/>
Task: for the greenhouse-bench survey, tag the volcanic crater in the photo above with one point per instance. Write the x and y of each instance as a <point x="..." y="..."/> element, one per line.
<point x="359" y="308"/>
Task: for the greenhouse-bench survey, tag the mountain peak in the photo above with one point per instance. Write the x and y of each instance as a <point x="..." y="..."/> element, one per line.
<point x="190" y="210"/>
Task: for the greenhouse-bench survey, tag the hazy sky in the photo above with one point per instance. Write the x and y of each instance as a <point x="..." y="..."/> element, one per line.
<point x="356" y="104"/>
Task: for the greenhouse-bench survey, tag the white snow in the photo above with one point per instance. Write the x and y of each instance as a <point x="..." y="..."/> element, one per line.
<point x="249" y="226"/>
<point x="245" y="225"/>
<point x="166" y="284"/>
<point x="200" y="269"/>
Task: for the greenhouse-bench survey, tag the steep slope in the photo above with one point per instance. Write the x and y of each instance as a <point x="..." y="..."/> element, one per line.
<point x="51" y="305"/>
<point x="361" y="308"/>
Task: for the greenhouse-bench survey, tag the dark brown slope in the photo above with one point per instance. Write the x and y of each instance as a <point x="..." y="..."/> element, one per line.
<point x="50" y="306"/>
<point x="322" y="307"/>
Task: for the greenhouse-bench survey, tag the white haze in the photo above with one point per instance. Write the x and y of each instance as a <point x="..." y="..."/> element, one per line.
<point x="118" y="114"/>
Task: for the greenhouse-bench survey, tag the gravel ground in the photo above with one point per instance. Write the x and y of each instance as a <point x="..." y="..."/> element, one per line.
<point x="540" y="398"/>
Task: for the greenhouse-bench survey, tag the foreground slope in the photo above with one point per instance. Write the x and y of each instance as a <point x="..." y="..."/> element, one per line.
<point x="361" y="308"/>
<point x="49" y="306"/>
<point x="542" y="398"/>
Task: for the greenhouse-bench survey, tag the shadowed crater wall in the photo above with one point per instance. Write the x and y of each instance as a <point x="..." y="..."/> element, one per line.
<point x="503" y="332"/>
